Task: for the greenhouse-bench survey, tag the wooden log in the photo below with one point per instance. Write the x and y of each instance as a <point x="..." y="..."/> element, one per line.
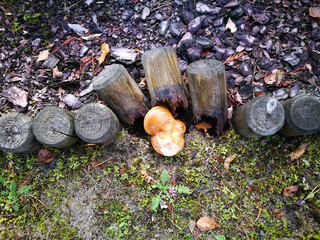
<point x="96" y="123"/>
<point x="53" y="127"/>
<point x="117" y="88"/>
<point x="164" y="78"/>
<point x="16" y="134"/>
<point x="302" y="116"/>
<point x="207" y="84"/>
<point x="261" y="116"/>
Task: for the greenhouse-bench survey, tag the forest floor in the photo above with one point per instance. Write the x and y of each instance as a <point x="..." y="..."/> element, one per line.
<point x="126" y="190"/>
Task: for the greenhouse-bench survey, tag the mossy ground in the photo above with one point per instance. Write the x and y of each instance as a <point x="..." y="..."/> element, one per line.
<point x="75" y="198"/>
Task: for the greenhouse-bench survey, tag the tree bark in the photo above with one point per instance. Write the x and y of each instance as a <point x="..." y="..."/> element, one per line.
<point x="207" y="84"/>
<point x="164" y="78"/>
<point x="120" y="92"/>
<point x="53" y="127"/>
<point x="261" y="116"/>
<point x="302" y="116"/>
<point x="16" y="134"/>
<point x="96" y="123"/>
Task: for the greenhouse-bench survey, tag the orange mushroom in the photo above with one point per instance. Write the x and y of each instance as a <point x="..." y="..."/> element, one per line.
<point x="166" y="132"/>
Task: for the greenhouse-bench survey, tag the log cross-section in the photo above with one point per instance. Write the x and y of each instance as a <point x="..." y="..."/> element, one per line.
<point x="96" y="123"/>
<point x="207" y="84"/>
<point x="302" y="116"/>
<point x="119" y="91"/>
<point x="261" y="116"/>
<point x="53" y="127"/>
<point x="16" y="133"/>
<point x="164" y="79"/>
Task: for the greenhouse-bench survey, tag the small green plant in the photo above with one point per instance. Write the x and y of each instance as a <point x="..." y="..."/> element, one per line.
<point x="167" y="193"/>
<point x="9" y="196"/>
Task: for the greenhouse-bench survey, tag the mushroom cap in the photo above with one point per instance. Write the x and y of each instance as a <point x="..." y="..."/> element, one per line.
<point x="166" y="132"/>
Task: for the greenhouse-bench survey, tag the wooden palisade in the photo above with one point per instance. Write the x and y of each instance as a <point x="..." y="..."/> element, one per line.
<point x="96" y="123"/>
<point x="262" y="116"/>
<point x="119" y="91"/>
<point x="53" y="127"/>
<point x="302" y="116"/>
<point x="207" y="84"/>
<point x="164" y="78"/>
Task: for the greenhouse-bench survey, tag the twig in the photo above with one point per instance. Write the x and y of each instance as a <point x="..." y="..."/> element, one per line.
<point x="35" y="206"/>
<point x="258" y="215"/>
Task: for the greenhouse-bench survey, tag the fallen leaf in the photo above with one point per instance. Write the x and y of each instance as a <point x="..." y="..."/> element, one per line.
<point x="314" y="12"/>
<point x="277" y="213"/>
<point x="230" y="25"/>
<point x="43" y="55"/>
<point x="17" y="96"/>
<point x="290" y="191"/>
<point x="192" y="225"/>
<point x="78" y="28"/>
<point x="203" y="125"/>
<point x="279" y="76"/>
<point x="71" y="101"/>
<point x="56" y="73"/>
<point x="206" y="224"/>
<point x="229" y="160"/>
<point x="298" y="152"/>
<point x="101" y="212"/>
<point x="105" y="49"/>
<point x="258" y="94"/>
<point x="271" y="78"/>
<point x="45" y="156"/>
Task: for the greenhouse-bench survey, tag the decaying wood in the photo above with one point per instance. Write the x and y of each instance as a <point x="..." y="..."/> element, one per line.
<point x="164" y="78"/>
<point x="302" y="116"/>
<point x="120" y="92"/>
<point x="261" y="116"/>
<point x="96" y="123"/>
<point x="207" y="84"/>
<point x="53" y="127"/>
<point x="16" y="133"/>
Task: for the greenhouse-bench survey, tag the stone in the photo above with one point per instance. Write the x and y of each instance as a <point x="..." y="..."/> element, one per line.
<point x="186" y="16"/>
<point x="280" y="94"/>
<point x="205" y="42"/>
<point x="237" y="13"/>
<point x="177" y="29"/>
<point x="203" y="8"/>
<point x="196" y="24"/>
<point x="127" y="14"/>
<point x="190" y="50"/>
<point x="245" y="69"/>
<point x="145" y="13"/>
<point x="163" y="27"/>
<point x="158" y="17"/>
<point x="292" y="59"/>
<point x="294" y="90"/>
<point x="246" y="92"/>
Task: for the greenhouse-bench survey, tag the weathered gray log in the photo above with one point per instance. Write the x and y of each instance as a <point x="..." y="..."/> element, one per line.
<point x="53" y="127"/>
<point x="117" y="88"/>
<point x="302" y="116"/>
<point x="16" y="134"/>
<point x="164" y="78"/>
<point x="261" y="116"/>
<point x="207" y="84"/>
<point x="96" y="123"/>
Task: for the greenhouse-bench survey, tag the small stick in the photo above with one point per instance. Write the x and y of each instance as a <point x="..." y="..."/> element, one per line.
<point x="35" y="206"/>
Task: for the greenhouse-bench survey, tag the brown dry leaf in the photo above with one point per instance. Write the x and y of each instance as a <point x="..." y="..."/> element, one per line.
<point x="230" y="25"/>
<point x="298" y="152"/>
<point x="258" y="94"/>
<point x="105" y="49"/>
<point x="290" y="191"/>
<point x="192" y="225"/>
<point x="206" y="224"/>
<point x="314" y="12"/>
<point x="43" y="55"/>
<point x="45" y="156"/>
<point x="271" y="78"/>
<point x="229" y="160"/>
<point x="203" y="125"/>
<point x="277" y="213"/>
<point x="56" y="73"/>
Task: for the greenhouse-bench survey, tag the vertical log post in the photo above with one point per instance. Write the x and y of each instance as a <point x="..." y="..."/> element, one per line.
<point x="164" y="78"/>
<point x="117" y="88"/>
<point x="261" y="116"/>
<point x="53" y="127"/>
<point x="96" y="123"/>
<point x="302" y="116"/>
<point x="16" y="134"/>
<point x="207" y="84"/>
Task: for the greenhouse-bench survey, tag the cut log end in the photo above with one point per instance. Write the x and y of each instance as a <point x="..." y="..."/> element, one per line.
<point x="16" y="133"/>
<point x="205" y="66"/>
<point x="262" y="116"/>
<point x="302" y="116"/>
<point x="96" y="123"/>
<point x="53" y="127"/>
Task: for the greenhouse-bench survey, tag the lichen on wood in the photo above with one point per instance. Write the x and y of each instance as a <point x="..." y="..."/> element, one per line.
<point x="207" y="84"/>
<point x="164" y="79"/>
<point x="119" y="91"/>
